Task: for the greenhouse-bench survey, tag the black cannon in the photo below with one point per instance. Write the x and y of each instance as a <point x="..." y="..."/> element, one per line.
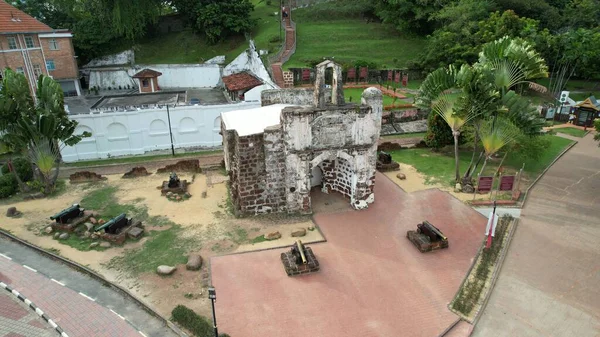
<point x="115" y="225"/>
<point x="299" y="260"/>
<point x="384" y="158"/>
<point x="431" y="231"/>
<point x="427" y="237"/>
<point x="68" y="214"/>
<point x="173" y="180"/>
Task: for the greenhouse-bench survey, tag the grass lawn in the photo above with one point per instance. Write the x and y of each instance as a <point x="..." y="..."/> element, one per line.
<point x="439" y="167"/>
<point x="350" y="40"/>
<point x="405" y="135"/>
<point x="572" y="131"/>
<point x="138" y="159"/>
<point x="354" y="94"/>
<point x="188" y="47"/>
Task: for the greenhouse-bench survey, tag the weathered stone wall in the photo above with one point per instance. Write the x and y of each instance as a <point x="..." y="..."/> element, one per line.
<point x="247" y="177"/>
<point x="271" y="172"/>
<point x="275" y="170"/>
<point x="296" y="96"/>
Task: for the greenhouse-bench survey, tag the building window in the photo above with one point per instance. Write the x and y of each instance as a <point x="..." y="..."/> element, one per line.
<point x="145" y="83"/>
<point x="12" y="42"/>
<point x="53" y="44"/>
<point x="50" y="65"/>
<point x="37" y="70"/>
<point x="29" y="41"/>
<point x="20" y="70"/>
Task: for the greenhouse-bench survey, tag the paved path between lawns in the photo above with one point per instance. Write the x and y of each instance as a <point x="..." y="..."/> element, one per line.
<point x="549" y="284"/>
<point x="372" y="282"/>
<point x="76" y="314"/>
<point x="17" y="319"/>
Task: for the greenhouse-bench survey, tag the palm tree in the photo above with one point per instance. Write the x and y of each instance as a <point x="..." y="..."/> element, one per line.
<point x="495" y="133"/>
<point x="457" y="96"/>
<point x="37" y="130"/>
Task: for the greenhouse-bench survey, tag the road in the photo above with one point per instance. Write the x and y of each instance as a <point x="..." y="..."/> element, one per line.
<point x="549" y="284"/>
<point x="59" y="291"/>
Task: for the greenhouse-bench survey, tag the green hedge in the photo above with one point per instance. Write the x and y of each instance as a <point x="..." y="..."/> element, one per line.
<point x="8" y="185"/>
<point x="23" y="168"/>
<point x="198" y="325"/>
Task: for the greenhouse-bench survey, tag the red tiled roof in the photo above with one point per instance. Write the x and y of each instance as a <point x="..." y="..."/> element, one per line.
<point x="13" y="20"/>
<point x="241" y="81"/>
<point x="147" y="73"/>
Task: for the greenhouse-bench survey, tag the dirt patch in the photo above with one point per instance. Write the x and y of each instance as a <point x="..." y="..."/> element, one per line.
<point x="136" y="172"/>
<point x="85" y="177"/>
<point x="415" y="181"/>
<point x="200" y="225"/>
<point x="190" y="165"/>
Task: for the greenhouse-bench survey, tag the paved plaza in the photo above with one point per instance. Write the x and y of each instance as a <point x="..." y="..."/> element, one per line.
<point x="18" y="320"/>
<point x="373" y="281"/>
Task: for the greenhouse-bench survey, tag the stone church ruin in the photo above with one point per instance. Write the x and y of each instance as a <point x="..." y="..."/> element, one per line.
<point x="303" y="139"/>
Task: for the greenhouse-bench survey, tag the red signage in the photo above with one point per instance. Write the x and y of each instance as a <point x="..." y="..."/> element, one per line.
<point x="485" y="184"/>
<point x="405" y="80"/>
<point x="507" y="183"/>
<point x="390" y="75"/>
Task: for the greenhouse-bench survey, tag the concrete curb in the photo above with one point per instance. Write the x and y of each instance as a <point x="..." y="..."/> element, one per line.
<point x="99" y="278"/>
<point x="497" y="270"/>
<point x="544" y="172"/>
<point x="35" y="308"/>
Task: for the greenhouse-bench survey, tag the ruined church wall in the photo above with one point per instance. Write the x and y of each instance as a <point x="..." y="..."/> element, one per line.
<point x="247" y="179"/>
<point x="293" y="96"/>
<point x="275" y="170"/>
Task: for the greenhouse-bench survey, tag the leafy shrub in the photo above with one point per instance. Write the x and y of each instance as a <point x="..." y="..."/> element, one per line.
<point x="23" y="168"/>
<point x="198" y="325"/>
<point x="8" y="185"/>
<point x="438" y="133"/>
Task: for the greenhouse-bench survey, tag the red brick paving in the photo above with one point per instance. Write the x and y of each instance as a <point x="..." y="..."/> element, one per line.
<point x="373" y="281"/>
<point x="76" y="315"/>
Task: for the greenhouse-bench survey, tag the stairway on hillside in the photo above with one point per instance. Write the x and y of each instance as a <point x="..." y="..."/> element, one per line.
<point x="290" y="42"/>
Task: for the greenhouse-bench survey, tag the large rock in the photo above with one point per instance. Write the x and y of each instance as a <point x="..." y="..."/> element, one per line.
<point x="135" y="172"/>
<point x="88" y="226"/>
<point x="63" y="236"/>
<point x="401" y="176"/>
<point x="56" y="235"/>
<point x="12" y="212"/>
<point x="135" y="232"/>
<point x="94" y="244"/>
<point x="273" y="236"/>
<point x="105" y="244"/>
<point x="93" y="220"/>
<point x="101" y="222"/>
<point x="49" y="230"/>
<point x="194" y="262"/>
<point x="85" y="176"/>
<point x="299" y="232"/>
<point x="165" y="270"/>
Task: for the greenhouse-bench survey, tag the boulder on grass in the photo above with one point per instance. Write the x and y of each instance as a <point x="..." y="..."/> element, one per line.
<point x="194" y="262"/>
<point x="63" y="236"/>
<point x="105" y="244"/>
<point x="165" y="270"/>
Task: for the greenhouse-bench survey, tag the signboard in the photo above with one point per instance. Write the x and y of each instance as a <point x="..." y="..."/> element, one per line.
<point x="405" y="80"/>
<point x="550" y="113"/>
<point x="484" y="185"/>
<point x="506" y="183"/>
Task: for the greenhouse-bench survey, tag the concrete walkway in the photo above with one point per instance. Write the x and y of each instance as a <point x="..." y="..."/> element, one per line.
<point x="550" y="281"/>
<point x="18" y="320"/>
<point x="57" y="290"/>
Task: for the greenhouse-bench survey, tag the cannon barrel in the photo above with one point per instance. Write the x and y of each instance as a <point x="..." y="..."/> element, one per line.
<point x="111" y="222"/>
<point x="301" y="250"/>
<point x="65" y="212"/>
<point x="434" y="230"/>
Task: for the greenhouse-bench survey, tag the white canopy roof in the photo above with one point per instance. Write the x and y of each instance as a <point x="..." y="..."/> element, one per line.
<point x="253" y="121"/>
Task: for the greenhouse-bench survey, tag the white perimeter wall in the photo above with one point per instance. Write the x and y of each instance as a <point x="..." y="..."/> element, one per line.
<point x="173" y="76"/>
<point x="138" y="132"/>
